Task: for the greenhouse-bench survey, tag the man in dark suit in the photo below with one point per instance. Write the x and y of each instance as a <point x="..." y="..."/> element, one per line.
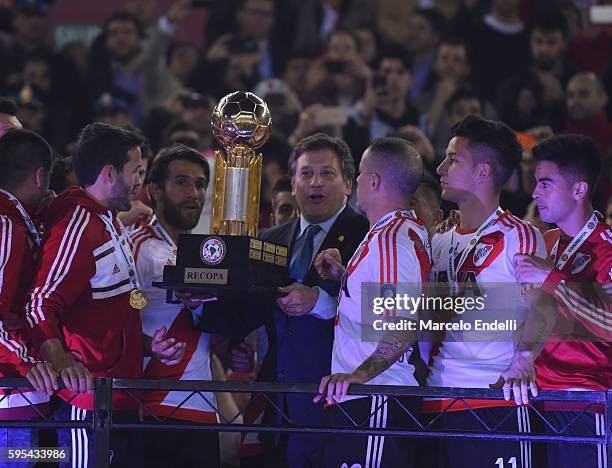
<point x="300" y="323"/>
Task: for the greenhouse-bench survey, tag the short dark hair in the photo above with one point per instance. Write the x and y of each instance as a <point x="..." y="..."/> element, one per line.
<point x="123" y="16"/>
<point x="158" y="172"/>
<point x="145" y="146"/>
<point x="455" y="41"/>
<point x="489" y="138"/>
<point x="464" y="91"/>
<point x="321" y="141"/>
<point x="400" y="163"/>
<point x="347" y="32"/>
<point x="435" y="18"/>
<point x="60" y="168"/>
<point x="283" y="184"/>
<point x="394" y="52"/>
<point x="8" y="106"/>
<point x="22" y="152"/>
<point x="576" y="155"/>
<point x="176" y="45"/>
<point x="277" y="150"/>
<point x="434" y="192"/>
<point x="99" y="145"/>
<point x="550" y="22"/>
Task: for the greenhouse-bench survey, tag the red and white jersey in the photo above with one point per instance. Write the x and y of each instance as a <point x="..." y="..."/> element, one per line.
<point x="18" y="259"/>
<point x="584" y="313"/>
<point x="394" y="254"/>
<point x="81" y="294"/>
<point x="154" y="249"/>
<point x="475" y="358"/>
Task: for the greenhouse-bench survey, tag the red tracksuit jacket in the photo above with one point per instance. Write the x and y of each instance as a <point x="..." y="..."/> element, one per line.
<point x="18" y="258"/>
<point x="584" y="362"/>
<point x="81" y="295"/>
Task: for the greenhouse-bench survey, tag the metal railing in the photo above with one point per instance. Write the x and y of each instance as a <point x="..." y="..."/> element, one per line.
<point x="424" y="425"/>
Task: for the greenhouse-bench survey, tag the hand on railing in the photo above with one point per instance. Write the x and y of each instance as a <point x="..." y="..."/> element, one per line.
<point x="518" y="378"/>
<point x="334" y="387"/>
<point x="43" y="377"/>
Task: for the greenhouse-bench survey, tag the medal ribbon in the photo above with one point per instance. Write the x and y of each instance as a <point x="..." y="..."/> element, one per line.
<point x="119" y="242"/>
<point x="451" y="270"/>
<point x="162" y="233"/>
<point x="25" y="216"/>
<point x="575" y="244"/>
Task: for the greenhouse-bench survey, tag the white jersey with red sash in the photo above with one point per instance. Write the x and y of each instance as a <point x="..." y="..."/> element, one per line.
<point x="482" y="262"/>
<point x="153" y="249"/>
<point x="395" y="255"/>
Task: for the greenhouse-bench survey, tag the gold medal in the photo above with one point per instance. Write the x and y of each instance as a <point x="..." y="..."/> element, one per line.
<point x="138" y="299"/>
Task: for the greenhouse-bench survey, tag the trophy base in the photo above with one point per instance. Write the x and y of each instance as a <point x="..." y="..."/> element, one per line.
<point x="226" y="265"/>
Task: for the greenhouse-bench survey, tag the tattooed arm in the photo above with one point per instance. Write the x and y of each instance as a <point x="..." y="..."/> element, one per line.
<point x="390" y="348"/>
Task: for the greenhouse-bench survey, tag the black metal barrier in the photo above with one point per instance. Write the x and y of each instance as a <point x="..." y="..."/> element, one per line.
<point x="425" y="425"/>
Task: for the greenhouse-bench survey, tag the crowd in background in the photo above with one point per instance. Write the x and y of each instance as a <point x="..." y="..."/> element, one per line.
<point x="358" y="69"/>
<point x="355" y="69"/>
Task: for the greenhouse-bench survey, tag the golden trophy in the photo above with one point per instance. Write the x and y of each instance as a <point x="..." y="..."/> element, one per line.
<point x="231" y="259"/>
<point x="241" y="124"/>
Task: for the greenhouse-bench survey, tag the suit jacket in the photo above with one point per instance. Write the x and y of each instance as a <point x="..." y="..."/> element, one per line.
<point x="300" y="347"/>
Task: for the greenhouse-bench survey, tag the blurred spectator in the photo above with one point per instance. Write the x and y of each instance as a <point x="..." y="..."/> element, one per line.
<point x="113" y="108"/>
<point x="78" y="54"/>
<point x="8" y="115"/>
<point x="62" y="175"/>
<point x="423" y="145"/>
<point x="28" y="53"/>
<point x="196" y="111"/>
<point x="548" y="44"/>
<point x="520" y="103"/>
<point x="463" y="102"/>
<point x="295" y="70"/>
<point x="183" y="133"/>
<point x="31" y="107"/>
<point x="239" y="59"/>
<point x="276" y="154"/>
<point x="591" y="48"/>
<point x="283" y="103"/>
<point x="392" y="18"/>
<point x="284" y="206"/>
<point x="451" y="68"/>
<point x="609" y="212"/>
<point x="384" y="108"/>
<point x="181" y="60"/>
<point x="316" y="20"/>
<point x="36" y="71"/>
<point x="368" y="45"/>
<point x="144" y="10"/>
<point x="586" y="102"/>
<point x="499" y="42"/>
<point x="424" y="30"/>
<point x="339" y="77"/>
<point x="133" y="69"/>
<point x="140" y="212"/>
<point x="426" y="202"/>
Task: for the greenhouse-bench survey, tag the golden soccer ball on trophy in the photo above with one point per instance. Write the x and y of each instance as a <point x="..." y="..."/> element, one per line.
<point x="241" y="118"/>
